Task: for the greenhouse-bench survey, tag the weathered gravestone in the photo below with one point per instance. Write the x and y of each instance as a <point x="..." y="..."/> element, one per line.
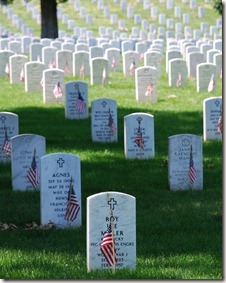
<point x="194" y="59"/>
<point x="76" y="100"/>
<point x="9" y="125"/>
<point x="35" y="51"/>
<point x="177" y="72"/>
<point x="81" y="65"/>
<point x="61" y="190"/>
<point x="16" y="66"/>
<point x="64" y="61"/>
<point x="53" y="86"/>
<point x="104" y="120"/>
<point x="212" y="109"/>
<point x="33" y="76"/>
<point x="139" y="140"/>
<point x="185" y="166"/>
<point x="4" y="62"/>
<point x="26" y="150"/>
<point x="111" y="215"/>
<point x="98" y="71"/>
<point x="206" y="74"/>
<point x="146" y="84"/>
<point x="153" y="59"/>
<point x="130" y="62"/>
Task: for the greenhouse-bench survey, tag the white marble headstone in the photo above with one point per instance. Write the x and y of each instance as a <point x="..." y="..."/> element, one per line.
<point x="118" y="210"/>
<point x="4" y="60"/>
<point x="76" y="100"/>
<point x="26" y="151"/>
<point x="104" y="120"/>
<point x="81" y="65"/>
<point x="9" y="125"/>
<point x="212" y="108"/>
<point x="205" y="73"/>
<point x="99" y="71"/>
<point x="185" y="166"/>
<point x="139" y="139"/>
<point x="53" y="86"/>
<point x="61" y="190"/>
<point x="146" y="84"/>
<point x="16" y="66"/>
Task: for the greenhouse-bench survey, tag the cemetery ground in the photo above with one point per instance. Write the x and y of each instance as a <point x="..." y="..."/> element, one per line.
<point x="179" y="234"/>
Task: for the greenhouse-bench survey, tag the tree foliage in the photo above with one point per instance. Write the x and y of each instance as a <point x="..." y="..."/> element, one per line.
<point x="218" y="6"/>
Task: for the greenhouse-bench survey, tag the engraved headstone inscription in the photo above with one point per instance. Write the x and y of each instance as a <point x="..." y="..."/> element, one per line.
<point x="111" y="215"/>
<point x="61" y="190"/>
<point x="185" y="170"/>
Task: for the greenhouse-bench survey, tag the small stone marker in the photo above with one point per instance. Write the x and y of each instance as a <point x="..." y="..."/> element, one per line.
<point x="139" y="141"/>
<point x="104" y="120"/>
<point x="99" y="71"/>
<point x="115" y="213"/>
<point x="76" y="100"/>
<point x="26" y="150"/>
<point x="212" y="109"/>
<point x="146" y="84"/>
<point x="9" y="125"/>
<point x="206" y="77"/>
<point x="33" y="76"/>
<point x="53" y="86"/>
<point x="185" y="169"/>
<point x="61" y="190"/>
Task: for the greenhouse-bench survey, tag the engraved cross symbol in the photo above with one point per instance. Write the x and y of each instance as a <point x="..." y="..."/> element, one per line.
<point x="217" y="103"/>
<point x="60" y="161"/>
<point x="104" y="103"/>
<point x="3" y="118"/>
<point x="112" y="203"/>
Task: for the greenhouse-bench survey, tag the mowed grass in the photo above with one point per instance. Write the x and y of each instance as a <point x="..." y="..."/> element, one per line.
<point x="179" y="234"/>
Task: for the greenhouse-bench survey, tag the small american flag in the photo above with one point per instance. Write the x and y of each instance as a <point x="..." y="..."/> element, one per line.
<point x="220" y="124"/>
<point x="72" y="205"/>
<point x="132" y="68"/>
<point x="113" y="63"/>
<point x="141" y="56"/>
<point x="57" y="92"/>
<point x="7" y="70"/>
<point x="22" y="75"/>
<point x="192" y="170"/>
<point x="80" y="104"/>
<point x="104" y="76"/>
<point x="179" y="80"/>
<point x="139" y="139"/>
<point x="52" y="64"/>
<point x="111" y="123"/>
<point x="149" y="90"/>
<point x="107" y="247"/>
<point x="32" y="173"/>
<point x="41" y="82"/>
<point x="82" y="71"/>
<point x="211" y="85"/>
<point x="66" y="68"/>
<point x="6" y="144"/>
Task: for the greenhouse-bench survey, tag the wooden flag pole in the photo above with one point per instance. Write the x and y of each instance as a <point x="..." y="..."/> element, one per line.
<point x="113" y="240"/>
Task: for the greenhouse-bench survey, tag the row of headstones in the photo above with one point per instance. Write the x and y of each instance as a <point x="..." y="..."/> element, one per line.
<point x="38" y="78"/>
<point x="122" y="26"/>
<point x="139" y="139"/>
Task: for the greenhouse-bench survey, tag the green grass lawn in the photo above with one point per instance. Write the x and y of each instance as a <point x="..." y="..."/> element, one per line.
<point x="179" y="234"/>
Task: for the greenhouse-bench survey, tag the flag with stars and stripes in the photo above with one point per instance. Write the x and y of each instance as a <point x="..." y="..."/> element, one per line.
<point x="7" y="70"/>
<point x="192" y="170"/>
<point x="22" y="75"/>
<point x="73" y="206"/>
<point x="220" y="124"/>
<point x="132" y="68"/>
<point x="6" y="144"/>
<point x="113" y="63"/>
<point x="211" y="86"/>
<point x="107" y="247"/>
<point x="80" y="104"/>
<point x="179" y="80"/>
<point x="139" y="139"/>
<point x="82" y="71"/>
<point x="57" y="92"/>
<point x="149" y="90"/>
<point x="111" y="123"/>
<point x="32" y="173"/>
<point x="52" y="64"/>
<point x="104" y="76"/>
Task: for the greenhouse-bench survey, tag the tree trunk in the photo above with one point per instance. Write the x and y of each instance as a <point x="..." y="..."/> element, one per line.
<point x="49" y="19"/>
